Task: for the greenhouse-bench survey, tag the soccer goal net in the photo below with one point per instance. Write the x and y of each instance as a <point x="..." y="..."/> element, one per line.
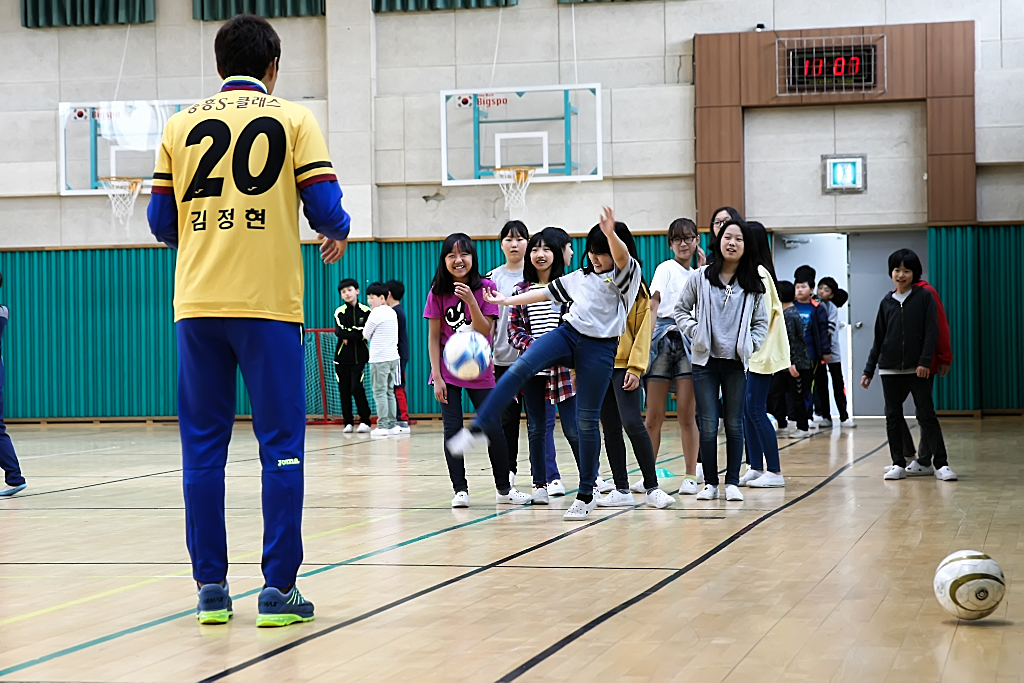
<point x="323" y="398"/>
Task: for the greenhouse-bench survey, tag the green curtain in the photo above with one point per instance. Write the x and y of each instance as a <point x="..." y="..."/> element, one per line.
<point x="219" y="10"/>
<point x="422" y="5"/>
<point x="978" y="271"/>
<point x="46" y="13"/>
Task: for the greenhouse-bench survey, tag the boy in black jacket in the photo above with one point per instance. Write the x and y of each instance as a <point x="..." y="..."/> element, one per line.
<point x="906" y="331"/>
<point x="351" y="355"/>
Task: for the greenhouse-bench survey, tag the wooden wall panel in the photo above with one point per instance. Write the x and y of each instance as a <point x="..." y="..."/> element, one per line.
<point x="718" y="185"/>
<point x="950" y="59"/>
<point x="719" y="132"/>
<point x="905" y="46"/>
<point x="951" y="125"/>
<point x="717" y="69"/>
<point x="757" y="70"/>
<point x="952" y="188"/>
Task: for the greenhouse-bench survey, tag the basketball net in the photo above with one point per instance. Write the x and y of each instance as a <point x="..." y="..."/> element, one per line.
<point x="122" y="190"/>
<point x="514" y="180"/>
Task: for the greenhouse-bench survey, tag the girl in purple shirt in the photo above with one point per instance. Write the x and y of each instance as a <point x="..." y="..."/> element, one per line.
<point x="455" y="302"/>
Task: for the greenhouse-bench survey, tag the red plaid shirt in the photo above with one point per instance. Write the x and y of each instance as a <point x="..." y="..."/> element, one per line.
<point x="559" y="386"/>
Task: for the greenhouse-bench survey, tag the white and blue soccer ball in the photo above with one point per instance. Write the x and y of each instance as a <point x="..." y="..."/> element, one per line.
<point x="969" y="584"/>
<point x="467" y="354"/>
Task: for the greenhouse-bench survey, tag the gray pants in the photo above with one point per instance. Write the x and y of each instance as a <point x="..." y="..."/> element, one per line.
<point x="383" y="378"/>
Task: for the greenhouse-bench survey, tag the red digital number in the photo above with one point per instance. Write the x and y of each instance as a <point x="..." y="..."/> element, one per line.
<point x="854" y="65"/>
<point x="807" y="66"/>
<point x="819" y="66"/>
<point x="839" y="66"/>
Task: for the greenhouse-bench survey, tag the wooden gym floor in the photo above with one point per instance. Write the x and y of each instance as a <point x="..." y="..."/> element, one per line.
<point x="828" y="579"/>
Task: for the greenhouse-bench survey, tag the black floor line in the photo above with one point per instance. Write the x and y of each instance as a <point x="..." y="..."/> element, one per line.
<point x="621" y="607"/>
<point x="401" y="601"/>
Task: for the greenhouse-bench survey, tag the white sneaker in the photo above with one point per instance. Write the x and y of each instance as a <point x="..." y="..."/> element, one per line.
<point x="818" y="419"/>
<point x="659" y="499"/>
<point x="709" y="492"/>
<point x="556" y="488"/>
<point x="768" y="480"/>
<point x="465" y="440"/>
<point x="914" y="469"/>
<point x="616" y="499"/>
<point x="602" y="486"/>
<point x="540" y="495"/>
<point x="848" y="423"/>
<point x="513" y="497"/>
<point x="799" y="434"/>
<point x="398" y="430"/>
<point x="700" y="474"/>
<point x="689" y="486"/>
<point x="511" y="478"/>
<point x="638" y="486"/>
<point x="363" y="428"/>
<point x="579" y="510"/>
<point x="379" y="433"/>
<point x="461" y="500"/>
<point x="732" y="492"/>
<point x="895" y="472"/>
<point x="750" y="476"/>
<point x="826" y="423"/>
<point x="945" y="474"/>
<point x="347" y="429"/>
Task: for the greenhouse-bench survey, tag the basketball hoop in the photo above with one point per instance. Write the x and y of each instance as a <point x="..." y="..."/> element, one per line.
<point x="122" y="191"/>
<point x="513" y="181"/>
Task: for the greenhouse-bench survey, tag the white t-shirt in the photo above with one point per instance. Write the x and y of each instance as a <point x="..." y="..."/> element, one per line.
<point x="599" y="300"/>
<point x="669" y="278"/>
<point x="382" y="330"/>
<point x="506" y="280"/>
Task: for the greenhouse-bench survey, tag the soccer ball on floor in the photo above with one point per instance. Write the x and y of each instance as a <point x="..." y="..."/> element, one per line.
<point x="969" y="584"/>
<point x="467" y="354"/>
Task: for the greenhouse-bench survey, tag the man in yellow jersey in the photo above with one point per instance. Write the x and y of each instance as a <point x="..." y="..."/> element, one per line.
<point x="226" y="194"/>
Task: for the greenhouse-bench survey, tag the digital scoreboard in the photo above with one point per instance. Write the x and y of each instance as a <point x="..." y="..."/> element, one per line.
<point x="832" y="68"/>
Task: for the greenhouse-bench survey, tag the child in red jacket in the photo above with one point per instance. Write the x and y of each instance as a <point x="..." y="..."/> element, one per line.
<point x="940" y="366"/>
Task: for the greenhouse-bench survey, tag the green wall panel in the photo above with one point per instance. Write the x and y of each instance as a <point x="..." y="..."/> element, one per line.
<point x="1001" y="278"/>
<point x="978" y="270"/>
<point x="91" y="332"/>
<point x="953" y="269"/>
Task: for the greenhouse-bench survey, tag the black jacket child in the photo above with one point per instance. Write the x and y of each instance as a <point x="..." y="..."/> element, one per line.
<point x="905" y="334"/>
<point x="349" y="321"/>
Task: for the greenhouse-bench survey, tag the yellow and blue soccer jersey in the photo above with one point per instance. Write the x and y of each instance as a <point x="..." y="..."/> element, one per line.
<point x="226" y="193"/>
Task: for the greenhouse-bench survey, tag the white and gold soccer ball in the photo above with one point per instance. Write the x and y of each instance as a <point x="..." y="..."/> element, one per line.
<point x="467" y="354"/>
<point x="969" y="584"/>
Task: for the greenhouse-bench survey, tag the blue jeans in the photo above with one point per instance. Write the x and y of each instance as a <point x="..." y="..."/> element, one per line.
<point x="549" y="442"/>
<point x="540" y="428"/>
<point x="762" y="444"/>
<point x="8" y="458"/>
<point x="593" y="359"/>
<point x="271" y="358"/>
<point x="729" y="376"/>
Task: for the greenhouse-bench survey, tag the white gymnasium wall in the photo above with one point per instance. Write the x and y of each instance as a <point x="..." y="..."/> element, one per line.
<point x="373" y="80"/>
<point x="782" y="153"/>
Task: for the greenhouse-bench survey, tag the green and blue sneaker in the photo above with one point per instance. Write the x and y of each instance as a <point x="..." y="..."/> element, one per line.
<point x="214" y="604"/>
<point x="281" y="609"/>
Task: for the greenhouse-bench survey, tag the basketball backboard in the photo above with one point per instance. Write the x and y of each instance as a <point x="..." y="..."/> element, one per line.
<point x="555" y="129"/>
<point x="100" y="139"/>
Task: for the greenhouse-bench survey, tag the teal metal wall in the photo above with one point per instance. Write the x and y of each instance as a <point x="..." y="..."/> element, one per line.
<point x="91" y="332"/>
<point x="979" y="273"/>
